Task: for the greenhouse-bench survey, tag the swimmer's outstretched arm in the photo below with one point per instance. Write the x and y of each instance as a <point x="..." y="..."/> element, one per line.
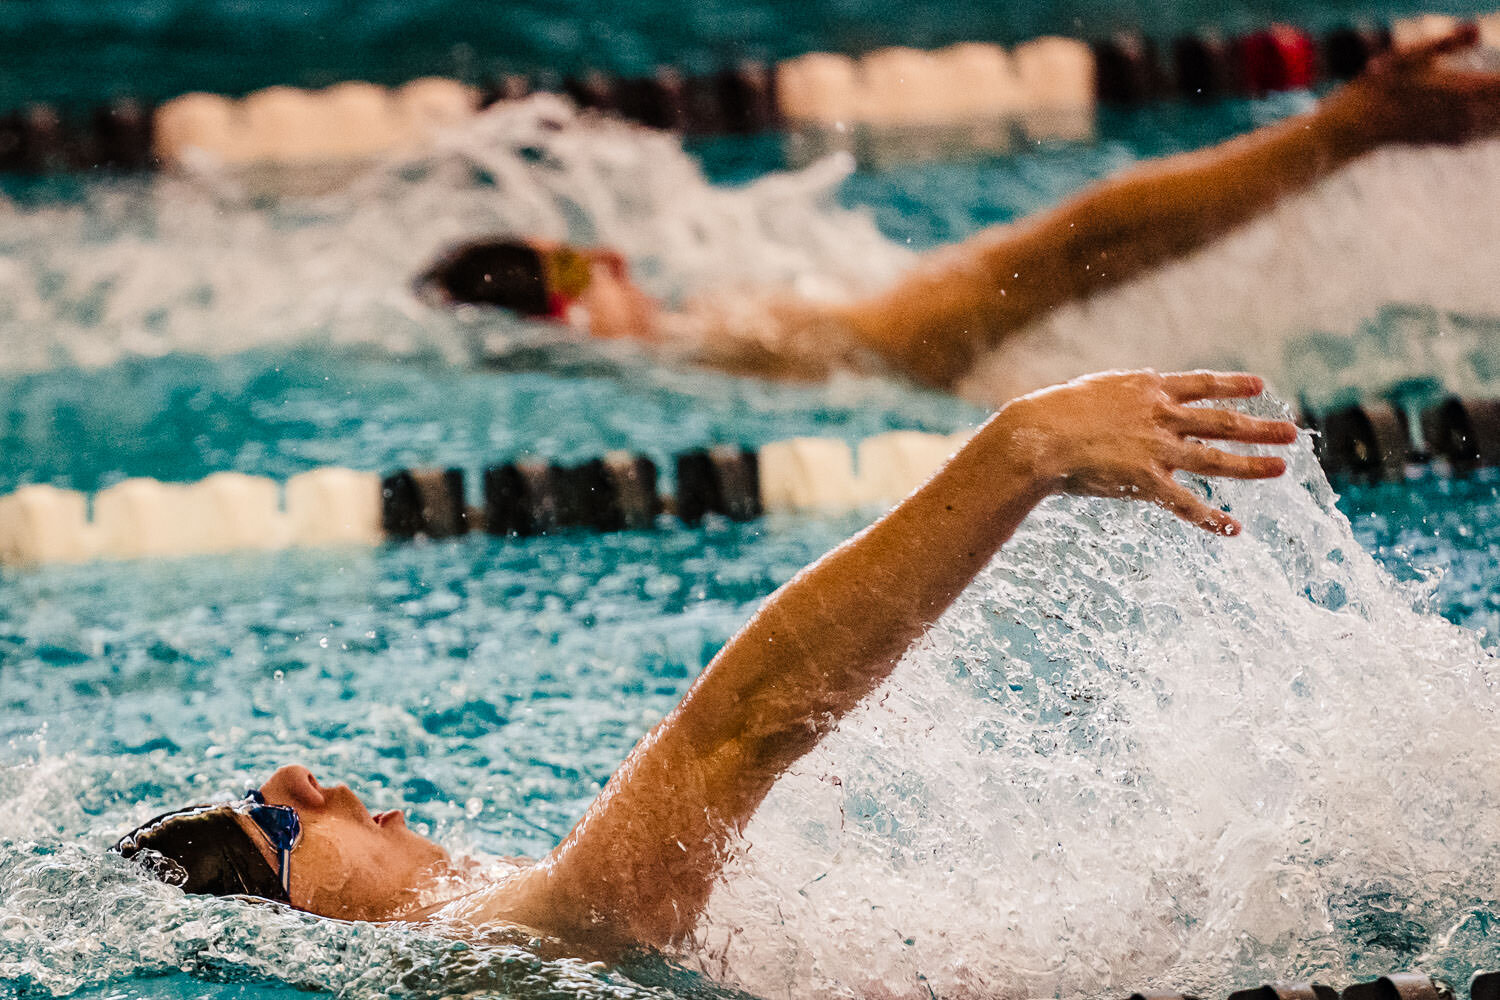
<point x="639" y="866"/>
<point x="967" y="298"/>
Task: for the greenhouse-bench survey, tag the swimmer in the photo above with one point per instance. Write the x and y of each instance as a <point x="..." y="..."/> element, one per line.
<point x="964" y="300"/>
<point x="639" y="866"/>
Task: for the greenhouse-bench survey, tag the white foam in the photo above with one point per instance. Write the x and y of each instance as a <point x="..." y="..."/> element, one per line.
<point x="194" y="263"/>
<point x="1404" y="225"/>
<point x="1134" y="755"/>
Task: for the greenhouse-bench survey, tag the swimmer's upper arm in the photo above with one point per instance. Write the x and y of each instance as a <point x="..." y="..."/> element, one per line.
<point x="641" y="863"/>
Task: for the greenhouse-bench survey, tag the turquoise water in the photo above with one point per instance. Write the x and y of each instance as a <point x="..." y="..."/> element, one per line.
<point x="1131" y="755"/>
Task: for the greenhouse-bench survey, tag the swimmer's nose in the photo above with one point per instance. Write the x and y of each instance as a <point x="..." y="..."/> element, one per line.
<point x="295" y="786"/>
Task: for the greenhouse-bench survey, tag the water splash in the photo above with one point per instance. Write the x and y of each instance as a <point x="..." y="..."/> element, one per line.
<point x="210" y="262"/>
<point x="1298" y="294"/>
<point x="1134" y="755"/>
<point x="1131" y="755"/>
<point x="73" y="920"/>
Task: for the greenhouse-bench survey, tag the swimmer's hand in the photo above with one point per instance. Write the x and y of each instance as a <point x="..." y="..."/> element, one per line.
<point x="1123" y="434"/>
<point x="1411" y="96"/>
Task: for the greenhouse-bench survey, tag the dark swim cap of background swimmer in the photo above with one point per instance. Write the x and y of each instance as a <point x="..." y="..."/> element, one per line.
<point x="203" y="850"/>
<point x="503" y="273"/>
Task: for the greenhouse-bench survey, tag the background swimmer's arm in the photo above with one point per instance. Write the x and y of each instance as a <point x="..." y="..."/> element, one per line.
<point x="641" y="863"/>
<point x="968" y="298"/>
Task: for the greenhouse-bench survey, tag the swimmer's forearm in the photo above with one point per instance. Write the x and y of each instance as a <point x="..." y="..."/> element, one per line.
<point x="936" y="323"/>
<point x="837" y="629"/>
<point x="968" y="298"/>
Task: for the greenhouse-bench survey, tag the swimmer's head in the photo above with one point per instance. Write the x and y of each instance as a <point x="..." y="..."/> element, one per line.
<point x="342" y="862"/>
<point x="507" y="274"/>
<point x="207" y="850"/>
<point x="587" y="288"/>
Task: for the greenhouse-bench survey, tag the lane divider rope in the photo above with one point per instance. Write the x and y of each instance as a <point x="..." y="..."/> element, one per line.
<point x="985" y="96"/>
<point x="230" y="511"/>
<point x="227" y="511"/>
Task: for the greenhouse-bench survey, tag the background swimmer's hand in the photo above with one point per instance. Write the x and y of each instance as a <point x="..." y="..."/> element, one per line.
<point x="1411" y="96"/>
<point x="1123" y="434"/>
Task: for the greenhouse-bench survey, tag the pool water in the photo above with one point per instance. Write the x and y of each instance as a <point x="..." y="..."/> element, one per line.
<point x="1130" y="756"/>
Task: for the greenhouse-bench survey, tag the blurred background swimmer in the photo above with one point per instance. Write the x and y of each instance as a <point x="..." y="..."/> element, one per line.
<point x="639" y="867"/>
<point x="961" y="301"/>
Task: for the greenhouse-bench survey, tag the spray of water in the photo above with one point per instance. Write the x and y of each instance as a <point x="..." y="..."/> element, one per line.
<point x="1298" y="294"/>
<point x="207" y="261"/>
<point x="1131" y="755"/>
<point x="1136" y="755"/>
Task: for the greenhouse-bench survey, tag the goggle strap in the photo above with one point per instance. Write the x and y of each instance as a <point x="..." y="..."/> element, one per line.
<point x="283" y="849"/>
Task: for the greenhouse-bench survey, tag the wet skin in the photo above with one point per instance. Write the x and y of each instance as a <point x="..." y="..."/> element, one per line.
<point x="612" y="305"/>
<point x="350" y="864"/>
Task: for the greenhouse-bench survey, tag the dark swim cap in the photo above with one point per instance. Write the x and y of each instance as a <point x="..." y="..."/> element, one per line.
<point x="203" y="850"/>
<point x="504" y="273"/>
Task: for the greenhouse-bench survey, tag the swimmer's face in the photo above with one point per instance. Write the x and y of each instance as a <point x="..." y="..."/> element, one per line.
<point x="349" y="864"/>
<point x="611" y="304"/>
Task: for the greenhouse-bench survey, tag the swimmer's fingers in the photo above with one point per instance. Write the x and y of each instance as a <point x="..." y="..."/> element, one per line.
<point x="1186" y="387"/>
<point x="1230" y="425"/>
<point x="1204" y="460"/>
<point x="1411" y="95"/>
<point x="1185" y="504"/>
